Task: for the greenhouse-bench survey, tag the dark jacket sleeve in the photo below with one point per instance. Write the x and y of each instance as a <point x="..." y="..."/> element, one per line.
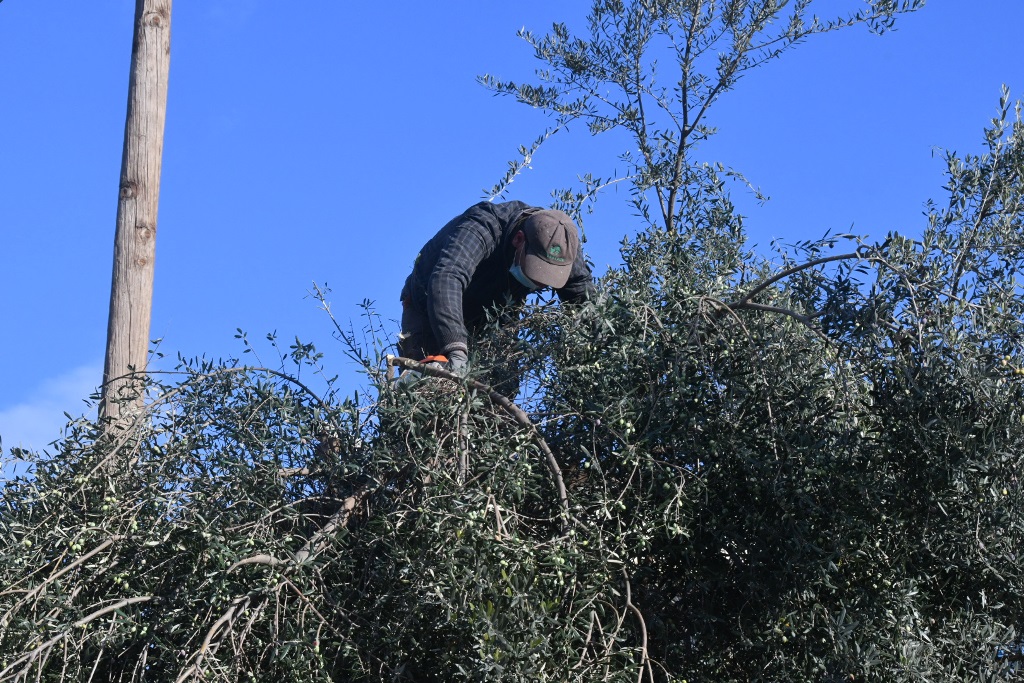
<point x="464" y="247"/>
<point x="580" y="286"/>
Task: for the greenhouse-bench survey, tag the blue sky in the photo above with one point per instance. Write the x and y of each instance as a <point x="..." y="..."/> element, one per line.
<point x="327" y="141"/>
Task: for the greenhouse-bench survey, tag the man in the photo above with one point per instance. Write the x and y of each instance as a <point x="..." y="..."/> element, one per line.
<point x="489" y="255"/>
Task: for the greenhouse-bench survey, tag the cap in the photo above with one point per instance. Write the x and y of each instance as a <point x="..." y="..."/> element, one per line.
<point x="551" y="247"/>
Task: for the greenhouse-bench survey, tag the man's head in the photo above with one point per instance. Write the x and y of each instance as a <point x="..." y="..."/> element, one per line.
<point x="546" y="246"/>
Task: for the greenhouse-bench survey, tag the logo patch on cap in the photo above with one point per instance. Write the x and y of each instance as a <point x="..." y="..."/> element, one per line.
<point x="555" y="253"/>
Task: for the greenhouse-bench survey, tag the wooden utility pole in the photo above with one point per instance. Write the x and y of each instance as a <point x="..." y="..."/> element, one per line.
<point x="131" y="291"/>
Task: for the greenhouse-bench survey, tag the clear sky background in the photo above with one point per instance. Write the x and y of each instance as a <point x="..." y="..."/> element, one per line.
<point x="326" y="140"/>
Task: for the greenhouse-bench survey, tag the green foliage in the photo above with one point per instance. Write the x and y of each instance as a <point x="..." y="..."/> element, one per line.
<point x="652" y="69"/>
<point x="803" y="468"/>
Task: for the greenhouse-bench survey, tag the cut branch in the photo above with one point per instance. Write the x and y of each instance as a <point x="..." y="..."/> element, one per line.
<point x="517" y="413"/>
<point x="338" y="520"/>
<point x="268" y="560"/>
<point x="796" y="269"/>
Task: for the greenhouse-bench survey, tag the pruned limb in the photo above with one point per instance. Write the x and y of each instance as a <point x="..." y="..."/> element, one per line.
<point x="224" y="624"/>
<point x="339" y="520"/>
<point x="111" y="608"/>
<point x="268" y="560"/>
<point x="796" y="269"/>
<point x="517" y="413"/>
<point x="645" y="660"/>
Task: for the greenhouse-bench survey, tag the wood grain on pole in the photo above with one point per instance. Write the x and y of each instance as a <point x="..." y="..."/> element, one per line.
<point x="131" y="292"/>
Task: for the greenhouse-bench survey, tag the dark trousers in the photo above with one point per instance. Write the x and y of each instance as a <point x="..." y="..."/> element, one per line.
<point x="417" y="339"/>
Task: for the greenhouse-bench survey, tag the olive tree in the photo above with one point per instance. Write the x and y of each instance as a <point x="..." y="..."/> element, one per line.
<point x="726" y="466"/>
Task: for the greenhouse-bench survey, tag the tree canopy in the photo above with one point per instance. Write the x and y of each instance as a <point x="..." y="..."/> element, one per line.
<point x="799" y="466"/>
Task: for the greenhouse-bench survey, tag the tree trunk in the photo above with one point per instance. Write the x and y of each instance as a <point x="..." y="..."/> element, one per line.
<point x="131" y="292"/>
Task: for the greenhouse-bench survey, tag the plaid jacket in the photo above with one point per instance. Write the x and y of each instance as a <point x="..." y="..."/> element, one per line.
<point x="464" y="270"/>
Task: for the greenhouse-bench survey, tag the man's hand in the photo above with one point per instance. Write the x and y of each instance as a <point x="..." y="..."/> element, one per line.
<point x="458" y="362"/>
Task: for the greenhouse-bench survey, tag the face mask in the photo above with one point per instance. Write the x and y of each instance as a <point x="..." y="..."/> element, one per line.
<point x="517" y="273"/>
